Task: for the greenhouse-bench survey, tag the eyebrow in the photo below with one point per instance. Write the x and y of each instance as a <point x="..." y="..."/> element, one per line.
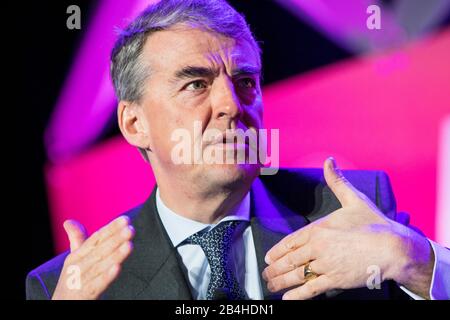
<point x="190" y="72"/>
<point x="248" y="69"/>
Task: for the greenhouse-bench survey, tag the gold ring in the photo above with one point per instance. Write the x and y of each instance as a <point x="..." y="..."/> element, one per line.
<point x="308" y="272"/>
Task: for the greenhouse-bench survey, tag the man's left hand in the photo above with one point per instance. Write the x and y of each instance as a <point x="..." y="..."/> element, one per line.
<point x="343" y="247"/>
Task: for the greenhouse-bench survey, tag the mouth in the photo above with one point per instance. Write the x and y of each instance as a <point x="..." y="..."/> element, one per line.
<point x="229" y="139"/>
<point x="231" y="148"/>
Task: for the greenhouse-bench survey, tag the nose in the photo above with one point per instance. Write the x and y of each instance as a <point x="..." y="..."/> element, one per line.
<point x="224" y="101"/>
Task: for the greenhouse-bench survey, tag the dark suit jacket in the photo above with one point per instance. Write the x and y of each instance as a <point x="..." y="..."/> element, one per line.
<point x="280" y="204"/>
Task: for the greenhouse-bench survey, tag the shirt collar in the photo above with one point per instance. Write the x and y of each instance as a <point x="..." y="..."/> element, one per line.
<point x="180" y="228"/>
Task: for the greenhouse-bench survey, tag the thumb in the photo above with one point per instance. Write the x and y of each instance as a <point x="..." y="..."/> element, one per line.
<point x="76" y="233"/>
<point x="342" y="189"/>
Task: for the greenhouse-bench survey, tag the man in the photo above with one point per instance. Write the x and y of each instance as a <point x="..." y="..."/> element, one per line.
<point x="215" y="230"/>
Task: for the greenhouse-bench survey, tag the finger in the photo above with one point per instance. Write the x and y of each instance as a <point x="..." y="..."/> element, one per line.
<point x="97" y="286"/>
<point x="339" y="185"/>
<point x="118" y="256"/>
<point x="287" y="263"/>
<point x="287" y="280"/>
<point x="310" y="289"/>
<point x="294" y="277"/>
<point x="103" y="234"/>
<point x="76" y="233"/>
<point x="105" y="249"/>
<point x="289" y="243"/>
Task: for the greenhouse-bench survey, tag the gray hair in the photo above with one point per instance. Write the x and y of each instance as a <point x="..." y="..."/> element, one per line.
<point x="129" y="72"/>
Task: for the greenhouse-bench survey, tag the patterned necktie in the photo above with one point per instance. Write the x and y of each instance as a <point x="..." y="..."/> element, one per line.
<point x="216" y="245"/>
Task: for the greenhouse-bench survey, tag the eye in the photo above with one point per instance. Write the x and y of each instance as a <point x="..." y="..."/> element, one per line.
<point x="247" y="83"/>
<point x="196" y="85"/>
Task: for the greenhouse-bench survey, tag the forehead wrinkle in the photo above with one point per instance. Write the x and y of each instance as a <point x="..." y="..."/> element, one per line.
<point x="234" y="62"/>
<point x="214" y="52"/>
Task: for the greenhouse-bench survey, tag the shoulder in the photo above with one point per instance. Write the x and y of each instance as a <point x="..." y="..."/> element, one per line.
<point x="41" y="282"/>
<point x="305" y="190"/>
<point x="314" y="176"/>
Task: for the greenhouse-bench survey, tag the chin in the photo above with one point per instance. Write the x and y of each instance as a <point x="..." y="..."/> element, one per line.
<point x="231" y="175"/>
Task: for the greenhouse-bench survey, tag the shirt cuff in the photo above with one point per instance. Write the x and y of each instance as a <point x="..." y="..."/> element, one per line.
<point x="440" y="281"/>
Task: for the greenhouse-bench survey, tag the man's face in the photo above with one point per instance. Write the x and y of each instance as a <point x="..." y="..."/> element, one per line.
<point x="200" y="76"/>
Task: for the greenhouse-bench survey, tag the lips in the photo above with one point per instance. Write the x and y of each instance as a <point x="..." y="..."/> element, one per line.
<point x="224" y="138"/>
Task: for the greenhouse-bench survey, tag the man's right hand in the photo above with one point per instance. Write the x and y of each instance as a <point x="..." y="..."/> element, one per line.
<point x="94" y="262"/>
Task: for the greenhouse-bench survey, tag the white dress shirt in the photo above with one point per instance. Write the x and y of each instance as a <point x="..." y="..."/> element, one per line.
<point x="194" y="260"/>
<point x="245" y="266"/>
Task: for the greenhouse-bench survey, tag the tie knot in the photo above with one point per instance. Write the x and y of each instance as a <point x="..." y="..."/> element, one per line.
<point x="219" y="237"/>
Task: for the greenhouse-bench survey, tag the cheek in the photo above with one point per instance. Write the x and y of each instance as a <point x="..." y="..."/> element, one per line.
<point x="161" y="126"/>
<point x="168" y="126"/>
<point x="254" y="116"/>
<point x="166" y="115"/>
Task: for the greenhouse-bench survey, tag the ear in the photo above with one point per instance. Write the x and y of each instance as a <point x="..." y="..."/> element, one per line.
<point x="133" y="125"/>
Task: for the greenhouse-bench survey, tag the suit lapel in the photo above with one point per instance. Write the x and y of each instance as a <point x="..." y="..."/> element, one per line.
<point x="270" y="222"/>
<point x="153" y="270"/>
